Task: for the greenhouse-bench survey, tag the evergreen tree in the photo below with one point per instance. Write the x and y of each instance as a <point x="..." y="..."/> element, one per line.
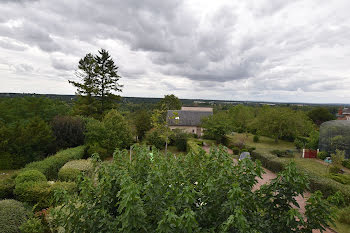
<point x="99" y="76"/>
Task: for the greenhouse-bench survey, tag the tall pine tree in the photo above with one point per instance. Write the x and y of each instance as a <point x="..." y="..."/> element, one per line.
<point x="99" y="81"/>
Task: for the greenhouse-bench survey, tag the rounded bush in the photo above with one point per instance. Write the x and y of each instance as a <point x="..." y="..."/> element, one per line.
<point x="322" y="155"/>
<point x="12" y="215"/>
<point x="71" y="170"/>
<point x="32" y="225"/>
<point x="30" y="176"/>
<point x="32" y="192"/>
<point x="346" y="163"/>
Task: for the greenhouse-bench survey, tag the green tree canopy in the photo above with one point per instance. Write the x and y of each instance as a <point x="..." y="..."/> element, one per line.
<point x="169" y="102"/>
<point x="142" y="122"/>
<point x="217" y="125"/>
<point x="320" y="114"/>
<point x="281" y="122"/>
<point x="105" y="136"/>
<point x="192" y="193"/>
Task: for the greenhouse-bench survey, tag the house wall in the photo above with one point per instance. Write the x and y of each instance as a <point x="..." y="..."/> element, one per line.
<point x="189" y="129"/>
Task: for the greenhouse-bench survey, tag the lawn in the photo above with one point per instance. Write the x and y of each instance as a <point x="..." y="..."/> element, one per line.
<point x="265" y="143"/>
<point x="6" y="173"/>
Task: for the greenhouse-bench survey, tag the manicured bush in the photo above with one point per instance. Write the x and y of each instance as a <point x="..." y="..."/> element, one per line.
<point x="282" y="153"/>
<point x="344" y="215"/>
<point x="270" y="161"/>
<point x="30" y="176"/>
<point x="6" y="188"/>
<point x="32" y="225"/>
<point x="346" y="163"/>
<point x="40" y="193"/>
<point x="71" y="170"/>
<point x="32" y="192"/>
<point x="51" y="165"/>
<point x="256" y="138"/>
<point x="322" y="155"/>
<point x="12" y="215"/>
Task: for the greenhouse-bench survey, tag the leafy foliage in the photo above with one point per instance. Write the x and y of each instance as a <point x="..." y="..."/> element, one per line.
<point x="278" y="122"/>
<point x="32" y="225"/>
<point x="106" y="135"/>
<point x="320" y="114"/>
<point x="193" y="193"/>
<point x="68" y="131"/>
<point x="142" y="123"/>
<point x="155" y="137"/>
<point x="216" y="126"/>
<point x="12" y="215"/>
<point x="169" y="102"/>
<point x="322" y="155"/>
<point x="6" y="188"/>
<point x="344" y="215"/>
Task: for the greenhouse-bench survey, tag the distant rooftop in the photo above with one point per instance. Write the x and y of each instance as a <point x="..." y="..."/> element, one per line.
<point x="197" y="109"/>
<point x="187" y="117"/>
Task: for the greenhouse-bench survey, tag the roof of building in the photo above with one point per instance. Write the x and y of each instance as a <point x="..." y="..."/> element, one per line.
<point x="346" y="111"/>
<point x="187" y="118"/>
<point x="200" y="109"/>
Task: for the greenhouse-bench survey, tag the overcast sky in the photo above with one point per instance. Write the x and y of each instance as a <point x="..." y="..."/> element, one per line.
<point x="272" y="50"/>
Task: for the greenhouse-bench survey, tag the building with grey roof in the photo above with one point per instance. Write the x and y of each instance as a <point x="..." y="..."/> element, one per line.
<point x="188" y="119"/>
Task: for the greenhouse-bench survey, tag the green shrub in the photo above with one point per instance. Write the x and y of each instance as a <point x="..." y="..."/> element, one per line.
<point x="68" y="174"/>
<point x="6" y="188"/>
<point x="192" y="146"/>
<point x="71" y="170"/>
<point x="32" y="225"/>
<point x="346" y="163"/>
<point x="180" y="140"/>
<point x="30" y="176"/>
<point x="256" y="138"/>
<point x="322" y="155"/>
<point x="270" y="161"/>
<point x="344" y="215"/>
<point x="282" y="153"/>
<point x="235" y="150"/>
<point x="41" y="193"/>
<point x="6" y="161"/>
<point x="32" y="192"/>
<point x="51" y="165"/>
<point x="334" y="169"/>
<point x="12" y="215"/>
<point x="341" y="178"/>
<point x="154" y="137"/>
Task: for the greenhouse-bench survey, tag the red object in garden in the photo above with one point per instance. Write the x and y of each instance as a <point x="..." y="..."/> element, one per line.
<point x="309" y="154"/>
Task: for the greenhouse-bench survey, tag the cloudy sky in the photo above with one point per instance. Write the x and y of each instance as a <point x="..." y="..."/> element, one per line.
<point x="272" y="50"/>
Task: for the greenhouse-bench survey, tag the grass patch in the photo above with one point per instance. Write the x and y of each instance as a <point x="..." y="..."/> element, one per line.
<point x="265" y="144"/>
<point x="4" y="174"/>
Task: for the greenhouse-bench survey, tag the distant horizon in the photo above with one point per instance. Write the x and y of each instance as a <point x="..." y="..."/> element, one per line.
<point x="155" y="97"/>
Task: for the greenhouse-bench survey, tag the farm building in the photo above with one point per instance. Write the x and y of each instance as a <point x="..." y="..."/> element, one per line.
<point x="188" y="119"/>
<point x="343" y="114"/>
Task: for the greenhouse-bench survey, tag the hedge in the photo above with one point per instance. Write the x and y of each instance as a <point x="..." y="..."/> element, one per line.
<point x="51" y="165"/>
<point x="30" y="176"/>
<point x="12" y="215"/>
<point x="71" y="170"/>
<point x="316" y="182"/>
<point x="41" y="193"/>
<point x="346" y="163"/>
